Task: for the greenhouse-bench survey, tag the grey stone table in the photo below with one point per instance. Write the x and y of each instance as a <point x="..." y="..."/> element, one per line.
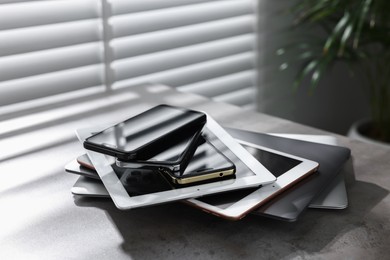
<point x="40" y="219"/>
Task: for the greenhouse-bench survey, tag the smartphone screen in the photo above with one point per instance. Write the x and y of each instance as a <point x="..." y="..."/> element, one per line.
<point x="146" y="134"/>
<point x="175" y="157"/>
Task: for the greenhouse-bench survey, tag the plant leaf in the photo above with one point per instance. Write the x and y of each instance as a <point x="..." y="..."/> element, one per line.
<point x="338" y="28"/>
<point x="304" y="72"/>
<point x="347" y="33"/>
<point x="362" y="18"/>
<point x="319" y="71"/>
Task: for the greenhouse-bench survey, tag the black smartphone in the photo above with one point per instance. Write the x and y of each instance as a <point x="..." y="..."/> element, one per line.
<point x="208" y="163"/>
<point x="147" y="134"/>
<point x="174" y="158"/>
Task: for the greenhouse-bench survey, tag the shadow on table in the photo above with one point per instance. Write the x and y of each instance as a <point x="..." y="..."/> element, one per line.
<point x="177" y="231"/>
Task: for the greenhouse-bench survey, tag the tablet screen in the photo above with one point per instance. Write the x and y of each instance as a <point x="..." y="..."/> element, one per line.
<point x="141" y="181"/>
<point x="277" y="164"/>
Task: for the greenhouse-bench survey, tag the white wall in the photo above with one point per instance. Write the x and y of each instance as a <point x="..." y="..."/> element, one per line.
<point x="339" y="99"/>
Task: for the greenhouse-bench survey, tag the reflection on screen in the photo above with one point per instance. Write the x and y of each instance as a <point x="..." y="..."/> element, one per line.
<point x="178" y="150"/>
<point x="140" y="130"/>
<point x="141" y="181"/>
<point x="206" y="158"/>
<point x="277" y="164"/>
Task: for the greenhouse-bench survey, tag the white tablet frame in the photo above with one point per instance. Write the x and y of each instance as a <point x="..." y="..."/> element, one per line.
<point x="257" y="198"/>
<point x="123" y="201"/>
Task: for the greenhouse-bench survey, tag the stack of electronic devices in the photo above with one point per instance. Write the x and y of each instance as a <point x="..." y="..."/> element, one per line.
<point x="168" y="153"/>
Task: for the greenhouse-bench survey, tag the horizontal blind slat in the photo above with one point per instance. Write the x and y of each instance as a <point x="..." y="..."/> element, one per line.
<point x="46" y="12"/>
<point x="142" y="65"/>
<point x="138" y="23"/>
<point x="24" y="65"/>
<point x="16" y="1"/>
<point x="62" y="114"/>
<point x="174" y="38"/>
<point x="194" y="73"/>
<point x="240" y="97"/>
<point x="221" y="85"/>
<point x="134" y="6"/>
<point x="49" y="36"/>
<point x="45" y="103"/>
<point x="50" y="84"/>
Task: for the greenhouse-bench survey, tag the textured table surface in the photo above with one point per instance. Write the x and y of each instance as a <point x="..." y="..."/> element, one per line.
<point x="41" y="219"/>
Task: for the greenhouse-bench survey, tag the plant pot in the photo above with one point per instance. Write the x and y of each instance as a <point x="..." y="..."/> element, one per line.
<point x="357" y="130"/>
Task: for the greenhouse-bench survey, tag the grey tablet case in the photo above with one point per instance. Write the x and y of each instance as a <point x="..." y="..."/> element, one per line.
<point x="289" y="205"/>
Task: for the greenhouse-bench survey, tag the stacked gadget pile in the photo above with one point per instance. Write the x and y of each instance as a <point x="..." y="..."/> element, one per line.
<point x="169" y="153"/>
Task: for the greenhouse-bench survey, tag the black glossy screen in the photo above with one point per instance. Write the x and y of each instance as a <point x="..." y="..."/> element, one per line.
<point x="206" y="158"/>
<point x="277" y="164"/>
<point x="147" y="128"/>
<point x="141" y="181"/>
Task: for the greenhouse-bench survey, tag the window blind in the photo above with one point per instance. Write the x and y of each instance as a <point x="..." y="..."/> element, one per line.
<point x="49" y="48"/>
<point x="204" y="47"/>
<point x="71" y="48"/>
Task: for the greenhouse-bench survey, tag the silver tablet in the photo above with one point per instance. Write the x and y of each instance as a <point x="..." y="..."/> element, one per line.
<point x="249" y="172"/>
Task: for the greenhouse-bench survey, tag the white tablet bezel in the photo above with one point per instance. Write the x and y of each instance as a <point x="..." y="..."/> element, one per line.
<point x="257" y="198"/>
<point x="123" y="201"/>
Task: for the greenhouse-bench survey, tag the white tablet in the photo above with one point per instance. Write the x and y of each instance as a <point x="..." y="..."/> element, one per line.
<point x="287" y="168"/>
<point x="249" y="172"/>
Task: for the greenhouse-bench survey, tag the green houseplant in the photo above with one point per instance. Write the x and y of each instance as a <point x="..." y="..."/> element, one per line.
<point x="356" y="32"/>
